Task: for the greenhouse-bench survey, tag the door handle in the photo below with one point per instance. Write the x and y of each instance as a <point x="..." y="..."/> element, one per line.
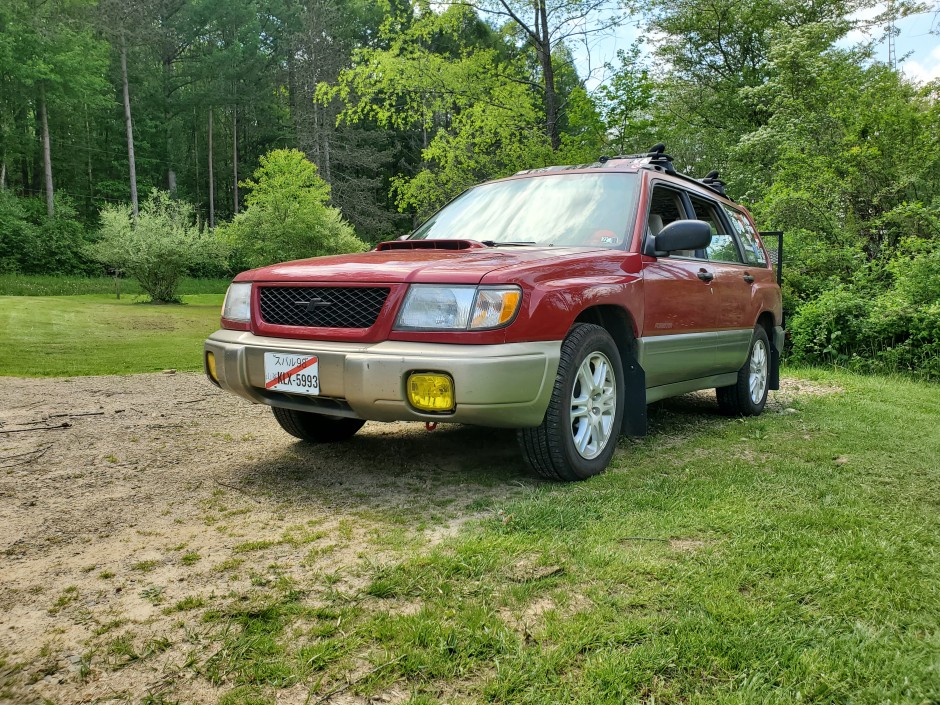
<point x="705" y="275"/>
<point x="748" y="278"/>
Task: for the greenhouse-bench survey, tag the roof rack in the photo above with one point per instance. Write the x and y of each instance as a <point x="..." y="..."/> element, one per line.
<point x="714" y="183"/>
<point x="656" y="158"/>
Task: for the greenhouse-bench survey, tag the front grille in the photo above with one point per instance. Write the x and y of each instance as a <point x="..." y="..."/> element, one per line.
<point x="322" y="306"/>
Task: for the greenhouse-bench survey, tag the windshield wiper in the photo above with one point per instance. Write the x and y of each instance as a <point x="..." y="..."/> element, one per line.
<point x="518" y="243"/>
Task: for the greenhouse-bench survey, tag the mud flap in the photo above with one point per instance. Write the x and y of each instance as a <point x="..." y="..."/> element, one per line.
<point x="634" y="413"/>
<point x="776" y="344"/>
<point x="774" y="377"/>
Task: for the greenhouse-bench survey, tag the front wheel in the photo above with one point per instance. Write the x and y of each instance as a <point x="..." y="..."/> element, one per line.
<point x="748" y="396"/>
<point x="316" y="428"/>
<point x="578" y="435"/>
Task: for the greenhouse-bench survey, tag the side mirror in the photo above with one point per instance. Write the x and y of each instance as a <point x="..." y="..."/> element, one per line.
<point x="683" y="235"/>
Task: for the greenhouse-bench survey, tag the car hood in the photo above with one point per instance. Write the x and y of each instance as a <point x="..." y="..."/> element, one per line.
<point x="412" y="266"/>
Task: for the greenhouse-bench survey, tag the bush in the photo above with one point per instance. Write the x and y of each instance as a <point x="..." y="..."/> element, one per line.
<point x="19" y="235"/>
<point x="287" y="216"/>
<point x="160" y="249"/>
<point x="34" y="243"/>
<point x="830" y="328"/>
<point x="892" y="325"/>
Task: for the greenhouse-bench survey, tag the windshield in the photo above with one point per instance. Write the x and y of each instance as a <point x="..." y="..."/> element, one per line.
<point x="589" y="210"/>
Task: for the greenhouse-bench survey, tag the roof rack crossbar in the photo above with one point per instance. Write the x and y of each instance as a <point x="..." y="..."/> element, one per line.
<point x="658" y="159"/>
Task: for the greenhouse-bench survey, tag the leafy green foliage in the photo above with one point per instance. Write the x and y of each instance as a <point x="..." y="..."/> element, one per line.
<point x="441" y="75"/>
<point x="33" y="243"/>
<point x="287" y="216"/>
<point x="626" y="101"/>
<point x="160" y="248"/>
<point x="868" y="324"/>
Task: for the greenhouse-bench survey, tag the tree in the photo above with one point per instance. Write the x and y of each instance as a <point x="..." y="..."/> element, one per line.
<point x="286" y="215"/>
<point x="51" y="62"/>
<point x="550" y="26"/>
<point x="162" y="246"/>
<point x="626" y="101"/>
<point x="472" y="108"/>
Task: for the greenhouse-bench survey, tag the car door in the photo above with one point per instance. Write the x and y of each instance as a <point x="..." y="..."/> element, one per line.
<point x="678" y="336"/>
<point x="733" y="310"/>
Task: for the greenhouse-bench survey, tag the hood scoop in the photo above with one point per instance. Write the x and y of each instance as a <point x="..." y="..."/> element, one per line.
<point x="428" y="245"/>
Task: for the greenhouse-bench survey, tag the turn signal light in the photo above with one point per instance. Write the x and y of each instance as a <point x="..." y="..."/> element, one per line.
<point x="428" y="391"/>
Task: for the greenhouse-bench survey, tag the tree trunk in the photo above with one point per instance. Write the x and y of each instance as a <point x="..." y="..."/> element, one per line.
<point x="235" y="156"/>
<point x="168" y="53"/>
<point x="544" y="50"/>
<point x="211" y="177"/>
<point x="198" y="182"/>
<point x="46" y="153"/>
<point x="325" y="138"/>
<point x="129" y="127"/>
<point x="3" y="175"/>
<point x="91" y="181"/>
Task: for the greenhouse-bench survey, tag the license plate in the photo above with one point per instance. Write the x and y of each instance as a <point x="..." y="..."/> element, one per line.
<point x="297" y="374"/>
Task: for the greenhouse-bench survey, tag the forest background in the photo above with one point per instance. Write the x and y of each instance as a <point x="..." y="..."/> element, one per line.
<point x="131" y="126"/>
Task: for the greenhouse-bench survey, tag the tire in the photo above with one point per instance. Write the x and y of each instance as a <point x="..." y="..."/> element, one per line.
<point x="748" y="395"/>
<point x="316" y="428"/>
<point x="566" y="447"/>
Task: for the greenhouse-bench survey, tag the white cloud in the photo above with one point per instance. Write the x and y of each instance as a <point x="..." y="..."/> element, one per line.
<point x="922" y="73"/>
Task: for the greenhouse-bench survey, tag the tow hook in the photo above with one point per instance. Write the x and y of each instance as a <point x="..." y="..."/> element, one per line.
<point x="430" y="425"/>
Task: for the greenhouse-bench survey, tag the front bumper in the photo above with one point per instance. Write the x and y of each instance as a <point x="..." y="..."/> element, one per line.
<point x="506" y="385"/>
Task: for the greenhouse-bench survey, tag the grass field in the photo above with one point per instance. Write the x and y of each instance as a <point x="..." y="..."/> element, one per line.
<point x="790" y="558"/>
<point x="793" y="557"/>
<point x="48" y="336"/>
<point x="42" y="285"/>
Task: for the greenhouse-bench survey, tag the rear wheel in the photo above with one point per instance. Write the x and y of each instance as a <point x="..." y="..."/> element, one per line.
<point x="748" y="395"/>
<point x="316" y="428"/>
<point x="578" y="435"/>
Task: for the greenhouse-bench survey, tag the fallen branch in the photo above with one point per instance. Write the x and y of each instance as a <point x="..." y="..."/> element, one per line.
<point x="79" y="413"/>
<point x="41" y="452"/>
<point x="64" y="424"/>
<point x="238" y="489"/>
<point x="20" y="455"/>
<point x="354" y="681"/>
<point x="643" y="538"/>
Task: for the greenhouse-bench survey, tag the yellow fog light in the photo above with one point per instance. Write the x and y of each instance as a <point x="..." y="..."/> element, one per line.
<point x="429" y="391"/>
<point x="210" y="366"/>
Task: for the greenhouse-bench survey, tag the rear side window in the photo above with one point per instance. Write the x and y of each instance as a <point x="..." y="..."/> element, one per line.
<point x="753" y="252"/>
<point x="722" y="247"/>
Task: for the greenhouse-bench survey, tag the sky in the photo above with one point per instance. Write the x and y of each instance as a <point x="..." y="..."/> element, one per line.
<point x="917" y="46"/>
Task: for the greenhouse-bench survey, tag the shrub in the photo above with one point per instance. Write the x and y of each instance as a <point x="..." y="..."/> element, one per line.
<point x="162" y="247"/>
<point x="34" y="243"/>
<point x="830" y="328"/>
<point x="891" y="326"/>
<point x="287" y="216"/>
<point x="18" y="234"/>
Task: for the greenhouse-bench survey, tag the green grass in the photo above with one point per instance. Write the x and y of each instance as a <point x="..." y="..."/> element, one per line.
<point x="52" y="336"/>
<point x="53" y="285"/>
<point x="787" y="558"/>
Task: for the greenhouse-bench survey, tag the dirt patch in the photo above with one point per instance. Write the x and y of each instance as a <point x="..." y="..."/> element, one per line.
<point x="130" y="504"/>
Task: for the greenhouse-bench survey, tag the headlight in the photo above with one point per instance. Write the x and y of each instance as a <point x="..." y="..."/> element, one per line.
<point x="430" y="307"/>
<point x="237" y="306"/>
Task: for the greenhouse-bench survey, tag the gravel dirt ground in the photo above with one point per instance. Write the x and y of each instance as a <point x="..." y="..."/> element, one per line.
<point x="127" y="503"/>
